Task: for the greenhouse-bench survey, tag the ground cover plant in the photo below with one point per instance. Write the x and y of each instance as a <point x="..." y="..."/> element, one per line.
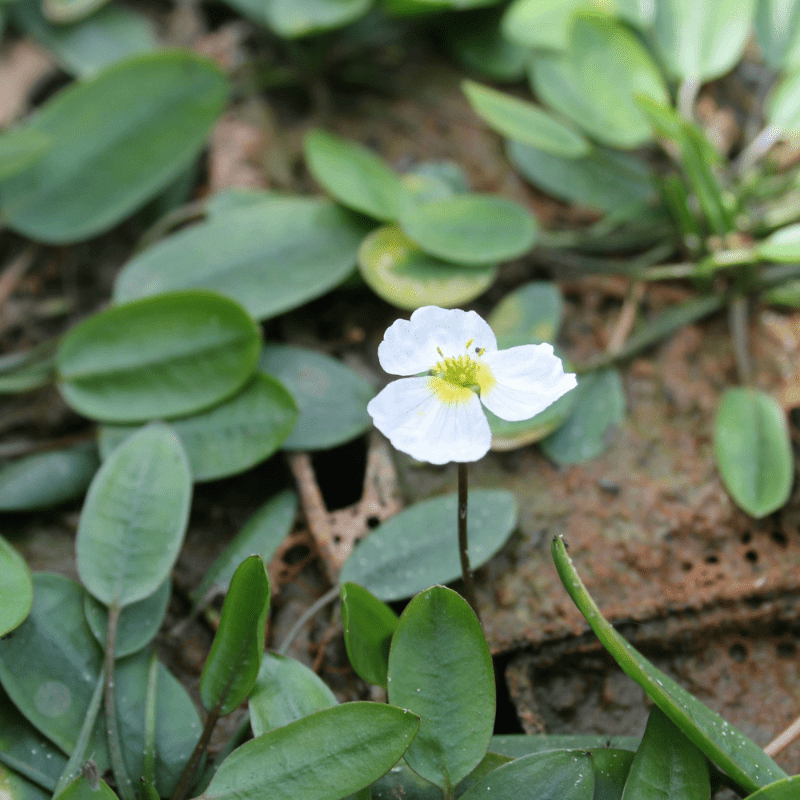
<point x="181" y="370"/>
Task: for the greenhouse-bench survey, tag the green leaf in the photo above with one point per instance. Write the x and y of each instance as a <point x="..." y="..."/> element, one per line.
<point x="402" y="782"/>
<point x="729" y="748"/>
<point x="16" y="588"/>
<point x="157" y="111"/>
<point x="524" y="122"/>
<point x="324" y="756"/>
<point x="135" y="517"/>
<point x="80" y="789"/>
<point x="285" y="691"/>
<point x="19" y="148"/>
<point x="441" y="669"/>
<point x="354" y="175"/>
<point x="470" y="228"/>
<point x="539" y="24"/>
<point x="753" y="450"/>
<point x="611" y="768"/>
<point x="270" y="256"/>
<point x="177" y="723"/>
<point x="15" y="787"/>
<point x="533" y="310"/>
<point x="783" y="104"/>
<point x="520" y="744"/>
<point x="785" y="789"/>
<point x="368" y="628"/>
<point x="139" y="622"/>
<point x="595" y="82"/>
<point x="24" y="749"/>
<point x="331" y="397"/>
<point x="51" y="664"/>
<point x="667" y="764"/>
<point x="419" y="546"/>
<point x="43" y="480"/>
<point x="160" y="357"/>
<point x="263" y="533"/>
<point x="777" y="27"/>
<point x="477" y="42"/>
<point x="556" y="775"/>
<point x="608" y="181"/>
<point x="783" y="245"/>
<point x="401" y="273"/>
<point x="599" y="407"/>
<point x="291" y="19"/>
<point x="228" y="438"/>
<point x="83" y="49"/>
<point x="701" y="41"/>
<point x="235" y="656"/>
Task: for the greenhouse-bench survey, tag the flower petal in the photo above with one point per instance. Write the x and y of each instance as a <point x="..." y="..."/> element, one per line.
<point x="417" y="344"/>
<point x="527" y="379"/>
<point x="415" y="421"/>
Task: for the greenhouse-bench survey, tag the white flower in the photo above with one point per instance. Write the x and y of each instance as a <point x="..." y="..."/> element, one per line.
<point x="437" y="416"/>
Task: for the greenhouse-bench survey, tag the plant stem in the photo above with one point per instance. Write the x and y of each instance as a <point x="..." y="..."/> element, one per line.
<point x="463" y="547"/>
<point x="783" y="740"/>
<point x="187" y="776"/>
<point x="318" y="604"/>
<point x="737" y="316"/>
<point x="124" y="785"/>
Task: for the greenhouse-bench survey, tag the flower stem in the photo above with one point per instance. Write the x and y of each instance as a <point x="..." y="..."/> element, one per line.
<point x="463" y="548"/>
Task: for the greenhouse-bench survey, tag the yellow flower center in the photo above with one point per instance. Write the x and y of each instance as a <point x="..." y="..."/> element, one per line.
<point x="456" y="379"/>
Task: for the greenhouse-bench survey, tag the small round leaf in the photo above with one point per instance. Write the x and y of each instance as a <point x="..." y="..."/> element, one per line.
<point x="16" y="588"/>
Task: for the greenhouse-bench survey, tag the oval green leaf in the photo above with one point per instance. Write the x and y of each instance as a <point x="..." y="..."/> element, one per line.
<point x="16" y="588"/>
<point x="111" y="35"/>
<point x="419" y="546"/>
<point x="19" y="148"/>
<point x="595" y="82"/>
<point x="701" y="41"/>
<point x="235" y="656"/>
<point x="134" y="518"/>
<point x="556" y="775"/>
<point x="138" y="623"/>
<point x="599" y="407"/>
<point x="605" y="180"/>
<point x="783" y="105"/>
<point x="777" y="27"/>
<point x="524" y="122"/>
<point x="261" y="534"/>
<point x="403" y="274"/>
<point x="231" y="437"/>
<point x="270" y="256"/>
<point x="157" y="111"/>
<point x="667" y="764"/>
<point x="470" y="228"/>
<point x="753" y="451"/>
<point x="161" y="357"/>
<point x="324" y="756"/>
<point x="539" y="24"/>
<point x="50" y="666"/>
<point x="785" y="789"/>
<point x="368" y="628"/>
<point x="43" y="480"/>
<point x="290" y="19"/>
<point x="736" y="754"/>
<point x="441" y="669"/>
<point x="177" y="723"/>
<point x="285" y="691"/>
<point x="782" y="246"/>
<point x="354" y="175"/>
<point x="23" y="747"/>
<point x="331" y="397"/>
<point x="520" y="744"/>
<point x="15" y="787"/>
